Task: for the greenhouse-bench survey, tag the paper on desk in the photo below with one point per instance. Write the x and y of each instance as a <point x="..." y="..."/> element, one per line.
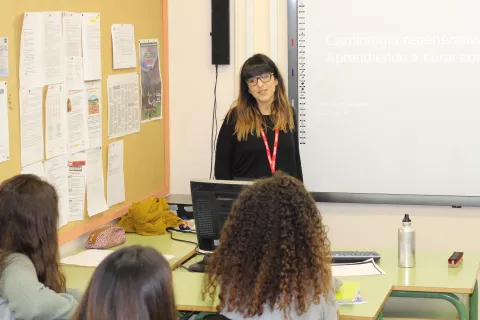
<point x="95" y="184"/>
<point x="92" y="64"/>
<point x="31" y="126"/>
<point x="123" y="42"/>
<point x="358" y="300"/>
<point x="77" y="179"/>
<point x="94" y="100"/>
<point x="54" y="48"/>
<point x="77" y="121"/>
<point x="37" y="168"/>
<point x="4" y="133"/>
<point x="56" y="135"/>
<point x="3" y="57"/>
<point x="32" y="51"/>
<point x="57" y="172"/>
<point x="365" y="268"/>
<point x="92" y="258"/>
<point x="115" y="174"/>
<point x="87" y="258"/>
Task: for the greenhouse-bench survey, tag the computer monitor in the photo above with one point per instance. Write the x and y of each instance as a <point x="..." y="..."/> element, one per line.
<point x="212" y="201"/>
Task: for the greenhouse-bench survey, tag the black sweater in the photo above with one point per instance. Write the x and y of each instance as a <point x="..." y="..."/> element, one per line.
<point x="248" y="159"/>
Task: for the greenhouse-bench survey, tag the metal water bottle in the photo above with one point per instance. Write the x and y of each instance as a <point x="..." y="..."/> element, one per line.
<point x="406" y="244"/>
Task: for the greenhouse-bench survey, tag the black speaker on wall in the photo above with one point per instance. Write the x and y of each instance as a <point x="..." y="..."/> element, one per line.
<point x="220" y="32"/>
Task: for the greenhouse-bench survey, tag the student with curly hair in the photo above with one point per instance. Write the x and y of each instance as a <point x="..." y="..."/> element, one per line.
<point x="273" y="261"/>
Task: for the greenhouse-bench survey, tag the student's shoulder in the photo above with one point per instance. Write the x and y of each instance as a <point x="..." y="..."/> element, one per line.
<point x="17" y="266"/>
<point x="16" y="257"/>
<point x="14" y="260"/>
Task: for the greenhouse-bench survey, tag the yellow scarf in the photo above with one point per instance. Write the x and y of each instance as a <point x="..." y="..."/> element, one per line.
<point x="149" y="217"/>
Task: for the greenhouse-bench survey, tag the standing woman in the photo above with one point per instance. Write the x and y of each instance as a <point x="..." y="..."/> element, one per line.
<point x="258" y="136"/>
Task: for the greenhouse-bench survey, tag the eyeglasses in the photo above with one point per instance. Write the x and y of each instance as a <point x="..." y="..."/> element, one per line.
<point x="265" y="77"/>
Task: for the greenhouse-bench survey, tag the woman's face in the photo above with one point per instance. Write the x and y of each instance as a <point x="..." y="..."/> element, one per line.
<point x="262" y="87"/>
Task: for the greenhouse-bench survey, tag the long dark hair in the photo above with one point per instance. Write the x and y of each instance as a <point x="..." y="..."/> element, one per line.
<point x="132" y="283"/>
<point x="249" y="119"/>
<point x="28" y="225"/>
<point x="273" y="249"/>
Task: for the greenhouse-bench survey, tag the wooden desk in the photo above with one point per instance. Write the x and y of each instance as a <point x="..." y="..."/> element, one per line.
<point x="79" y="277"/>
<point x="164" y="244"/>
<point x="375" y="290"/>
<point x="432" y="278"/>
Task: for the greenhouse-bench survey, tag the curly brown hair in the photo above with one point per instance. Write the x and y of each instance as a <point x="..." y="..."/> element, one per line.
<point x="273" y="250"/>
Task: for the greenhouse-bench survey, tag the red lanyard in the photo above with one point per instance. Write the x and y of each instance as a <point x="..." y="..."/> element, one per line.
<point x="271" y="158"/>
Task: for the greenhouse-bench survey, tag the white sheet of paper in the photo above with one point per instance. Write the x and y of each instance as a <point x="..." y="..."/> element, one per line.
<point x="123" y="42"/>
<point x="72" y="33"/>
<point x="365" y="268"/>
<point x="94" y="101"/>
<point x="32" y="51"/>
<point x="92" y="258"/>
<point x="37" y="168"/>
<point x="92" y="64"/>
<point x="77" y="121"/>
<point x="54" y="48"/>
<point x="31" y="126"/>
<point x="95" y="183"/>
<point x="57" y="172"/>
<point x="77" y="180"/>
<point x="115" y="174"/>
<point x="87" y="258"/>
<point x="56" y="127"/>
<point x="75" y="73"/>
<point x="4" y="133"/>
<point x="123" y="105"/>
<point x="3" y="57"/>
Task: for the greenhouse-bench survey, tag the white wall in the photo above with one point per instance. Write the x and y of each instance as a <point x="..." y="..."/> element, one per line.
<point x="437" y="228"/>
<point x="192" y="79"/>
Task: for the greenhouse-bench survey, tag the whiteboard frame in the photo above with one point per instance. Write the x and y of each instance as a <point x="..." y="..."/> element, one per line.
<point x="363" y="198"/>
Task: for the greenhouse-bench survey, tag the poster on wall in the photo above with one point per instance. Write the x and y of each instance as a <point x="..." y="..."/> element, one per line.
<point x="151" y="80"/>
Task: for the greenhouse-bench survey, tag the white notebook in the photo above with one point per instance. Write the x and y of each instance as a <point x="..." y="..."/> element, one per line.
<point x="365" y="268"/>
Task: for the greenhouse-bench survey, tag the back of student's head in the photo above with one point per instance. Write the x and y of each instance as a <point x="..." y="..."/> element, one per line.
<point x="273" y="249"/>
<point x="28" y="225"/>
<point x="132" y="283"/>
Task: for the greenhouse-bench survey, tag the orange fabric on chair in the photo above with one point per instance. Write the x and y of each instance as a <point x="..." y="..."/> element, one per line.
<point x="149" y="217"/>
